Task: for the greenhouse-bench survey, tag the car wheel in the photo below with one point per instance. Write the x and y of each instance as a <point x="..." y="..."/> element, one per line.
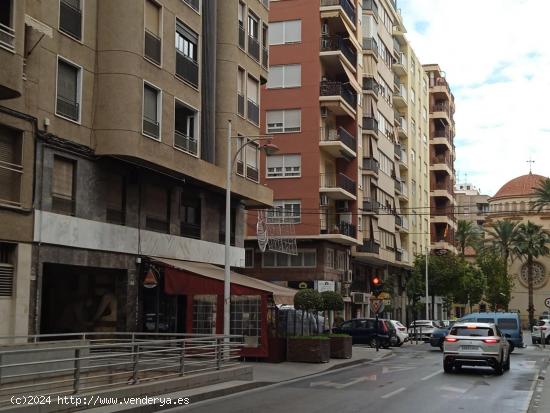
<point x="447" y="367"/>
<point x="499" y="368"/>
<point x="547" y="341"/>
<point x="441" y="347"/>
<point x="394" y="341"/>
<point x="507" y="364"/>
<point x="372" y="342"/>
<point x="512" y="347"/>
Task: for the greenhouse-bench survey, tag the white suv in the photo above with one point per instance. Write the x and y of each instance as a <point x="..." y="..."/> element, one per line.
<point x="476" y="344"/>
<point x="541" y="330"/>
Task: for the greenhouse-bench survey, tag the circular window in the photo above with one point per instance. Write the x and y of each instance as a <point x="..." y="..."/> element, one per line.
<point x="539" y="275"/>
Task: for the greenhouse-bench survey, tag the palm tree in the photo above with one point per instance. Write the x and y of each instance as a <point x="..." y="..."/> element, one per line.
<point x="467" y="235"/>
<point x="502" y="237"/>
<point x="542" y="194"/>
<point x="530" y="244"/>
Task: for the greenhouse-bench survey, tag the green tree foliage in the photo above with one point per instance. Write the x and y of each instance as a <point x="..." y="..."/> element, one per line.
<point x="332" y="301"/>
<point x="468" y="234"/>
<point x="308" y="300"/>
<point x="501" y="236"/>
<point x="499" y="283"/>
<point x="542" y="195"/>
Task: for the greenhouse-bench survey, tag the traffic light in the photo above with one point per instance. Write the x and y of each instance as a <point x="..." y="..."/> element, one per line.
<point x="376" y="285"/>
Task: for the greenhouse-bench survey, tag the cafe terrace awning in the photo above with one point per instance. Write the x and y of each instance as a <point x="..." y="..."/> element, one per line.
<point x="176" y="281"/>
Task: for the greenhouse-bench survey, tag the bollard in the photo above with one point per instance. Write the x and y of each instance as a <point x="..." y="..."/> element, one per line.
<point x="218" y="353"/>
<point x="421" y="338"/>
<point x="135" y="369"/>
<point x="76" y="373"/>
<point x="542" y="340"/>
<point x="182" y="359"/>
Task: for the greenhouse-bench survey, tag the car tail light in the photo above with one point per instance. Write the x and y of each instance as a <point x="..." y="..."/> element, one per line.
<point x="543" y="328"/>
<point x="451" y="339"/>
<point x="491" y="340"/>
<point x="402" y="329"/>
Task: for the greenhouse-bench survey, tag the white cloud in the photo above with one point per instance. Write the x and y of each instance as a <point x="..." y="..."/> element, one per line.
<point x="496" y="57"/>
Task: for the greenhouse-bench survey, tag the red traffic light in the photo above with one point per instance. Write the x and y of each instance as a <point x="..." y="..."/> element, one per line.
<point x="375" y="281"/>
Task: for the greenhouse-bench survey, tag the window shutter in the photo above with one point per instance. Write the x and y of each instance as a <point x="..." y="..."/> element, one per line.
<point x="63" y="173"/>
<point x="6" y="280"/>
<point x="274" y="121"/>
<point x="293" y="75"/>
<point x="152" y="13"/>
<point x="150" y="103"/>
<point x="276" y="33"/>
<point x="293" y="31"/>
<point x="275" y="77"/>
<point x="252" y="155"/>
<point x="252" y="90"/>
<point x="292" y="120"/>
<point x="67" y="79"/>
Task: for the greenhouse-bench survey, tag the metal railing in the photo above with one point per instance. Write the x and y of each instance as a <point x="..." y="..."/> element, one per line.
<point x="341" y="135"/>
<point x="151" y="127"/>
<point x="400" y="91"/>
<point x="338" y="181"/>
<point x="10" y="193"/>
<point x="370" y="84"/>
<point x="401" y="60"/>
<point x="370" y="124"/>
<point x="442" y="159"/>
<point x="253" y="112"/>
<point x="186" y="143"/>
<point x="369" y="246"/>
<point x="65" y="364"/>
<point x="194" y="4"/>
<point x="440" y="107"/>
<point x="331" y="88"/>
<point x="7" y="36"/>
<point x="240" y="104"/>
<point x="397" y="149"/>
<point x="67" y="108"/>
<point x="403" y="156"/>
<point x="187" y="68"/>
<point x="371" y="164"/>
<point x="370" y="5"/>
<point x="371" y="205"/>
<point x="339" y="43"/>
<point x="370" y="44"/>
<point x="442" y="133"/>
<point x="152" y="46"/>
<point x="402" y="124"/>
<point x="345" y="4"/>
<point x="254" y="48"/>
<point x="189" y="230"/>
<point x="70" y="18"/>
<point x="242" y="36"/>
<point x="265" y="57"/>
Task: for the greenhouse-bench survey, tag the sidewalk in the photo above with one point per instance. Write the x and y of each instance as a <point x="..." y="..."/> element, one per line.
<point x="264" y="374"/>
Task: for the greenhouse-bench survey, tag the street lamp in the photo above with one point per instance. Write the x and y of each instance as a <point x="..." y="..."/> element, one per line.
<point x="269" y="149"/>
<point x="427" y="295"/>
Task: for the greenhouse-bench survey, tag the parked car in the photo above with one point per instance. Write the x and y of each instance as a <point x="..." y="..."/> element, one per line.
<point x="439" y="333"/>
<point x="363" y="331"/>
<point x="508" y="323"/>
<point x="541" y="330"/>
<point x="476" y="344"/>
<point x="422" y="329"/>
<point x="401" y="336"/>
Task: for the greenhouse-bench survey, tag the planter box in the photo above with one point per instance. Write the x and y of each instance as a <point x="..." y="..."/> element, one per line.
<point x="276" y="349"/>
<point x="340" y="347"/>
<point x="308" y="350"/>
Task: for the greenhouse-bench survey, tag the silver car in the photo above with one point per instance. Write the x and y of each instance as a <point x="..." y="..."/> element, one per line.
<point x="476" y="344"/>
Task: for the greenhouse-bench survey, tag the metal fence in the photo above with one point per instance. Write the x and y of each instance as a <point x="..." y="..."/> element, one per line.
<point x="66" y="364"/>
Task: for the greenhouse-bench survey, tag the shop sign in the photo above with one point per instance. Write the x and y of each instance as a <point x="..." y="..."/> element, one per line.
<point x="326" y="286"/>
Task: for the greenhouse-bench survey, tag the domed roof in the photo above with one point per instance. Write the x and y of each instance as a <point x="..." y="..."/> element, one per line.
<point x="520" y="186"/>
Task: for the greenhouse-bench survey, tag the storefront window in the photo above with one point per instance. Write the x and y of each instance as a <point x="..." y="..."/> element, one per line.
<point x="245" y="318"/>
<point x="204" y="314"/>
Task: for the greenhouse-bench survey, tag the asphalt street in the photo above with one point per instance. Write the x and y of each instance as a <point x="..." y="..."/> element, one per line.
<point x="411" y="380"/>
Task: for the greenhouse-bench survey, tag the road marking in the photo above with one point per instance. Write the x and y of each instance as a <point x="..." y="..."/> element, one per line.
<point x="393" y="393"/>
<point x="339" y="386"/>
<point x="394" y="369"/>
<point x="454" y="389"/>
<point x="431" y="375"/>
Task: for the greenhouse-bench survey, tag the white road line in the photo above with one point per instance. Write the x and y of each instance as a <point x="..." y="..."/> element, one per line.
<point x="431" y="375"/>
<point x="393" y="393"/>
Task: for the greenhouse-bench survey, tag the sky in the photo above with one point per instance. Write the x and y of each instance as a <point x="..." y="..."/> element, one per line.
<point x="496" y="56"/>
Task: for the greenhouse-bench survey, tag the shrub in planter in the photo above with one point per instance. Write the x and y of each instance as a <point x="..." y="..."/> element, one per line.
<point x="332" y="301"/>
<point x="340" y="346"/>
<point x="308" y="349"/>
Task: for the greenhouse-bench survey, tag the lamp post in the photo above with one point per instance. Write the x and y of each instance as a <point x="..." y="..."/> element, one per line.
<point x="427" y="295"/>
<point x="269" y="148"/>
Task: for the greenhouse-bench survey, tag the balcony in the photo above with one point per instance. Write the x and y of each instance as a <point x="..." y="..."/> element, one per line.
<point x="442" y="162"/>
<point x="344" y="8"/>
<point x="371" y="165"/>
<point x="371" y="86"/>
<point x="338" y="142"/>
<point x="185" y="143"/>
<point x="254" y="48"/>
<point x="440" y="85"/>
<point x="371" y="206"/>
<point x="370" y="126"/>
<point x="190" y="230"/>
<point x="70" y="18"/>
<point x="369" y="247"/>
<point x="402" y="126"/>
<point x="187" y="69"/>
<point x="335" y="230"/>
<point x="339" y="97"/>
<point x="400" y="96"/>
<point x="398" y="255"/>
<point x="403" y="157"/>
<point x="7" y="37"/>
<point x="242" y="37"/>
<point x="151" y="127"/>
<point x="265" y="57"/>
<point x="338" y="45"/>
<point x="253" y="112"/>
<point x="443" y="215"/>
<point x="152" y="47"/>
<point x="370" y="5"/>
<point x="397" y="150"/>
<point x="402" y="190"/>
<point x="195" y="4"/>
<point x="338" y="187"/>
<point x="402" y="223"/>
<point x="370" y="46"/>
<point x="400" y="66"/>
<point x="442" y="189"/>
<point x="67" y="108"/>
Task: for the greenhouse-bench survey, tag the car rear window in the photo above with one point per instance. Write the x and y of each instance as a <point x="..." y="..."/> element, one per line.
<point x="507" y="323"/>
<point x="485" y="320"/>
<point x="471" y="332"/>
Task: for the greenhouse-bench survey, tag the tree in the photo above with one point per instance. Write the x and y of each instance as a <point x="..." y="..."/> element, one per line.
<point x="467" y="235"/>
<point x="530" y="244"/>
<point x="542" y="194"/>
<point x="470" y="286"/>
<point x="499" y="283"/>
<point x="332" y="301"/>
<point x="502" y="237"/>
<point x="307" y="300"/>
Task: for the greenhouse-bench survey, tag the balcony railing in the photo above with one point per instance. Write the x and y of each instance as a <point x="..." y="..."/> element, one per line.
<point x="254" y="48"/>
<point x="402" y="122"/>
<point x="370" y="43"/>
<point x="371" y="164"/>
<point x="401" y="187"/>
<point x="371" y="205"/>
<point x="240" y="104"/>
<point x="397" y="149"/>
<point x="190" y="230"/>
<point x="398" y="255"/>
<point x="265" y="57"/>
<point x="440" y="107"/>
<point x="370" y="5"/>
<point x="330" y="88"/>
<point x="369" y="246"/>
<point x="70" y="18"/>
<point x="7" y="36"/>
<point x="403" y="156"/>
<point x="253" y="112"/>
<point x="67" y="108"/>
<point x="400" y="91"/>
<point x="339" y="43"/>
<point x="186" y="143"/>
<point x="338" y="181"/>
<point x="370" y="84"/>
<point x="401" y="59"/>
<point x="151" y="127"/>
<point x="341" y="135"/>
<point x="187" y="69"/>
<point x="345" y="4"/>
<point x="441" y="186"/>
<point x="442" y="159"/>
<point x="370" y="124"/>
<point x="442" y="133"/>
<point x="152" y="46"/>
<point x="347" y="229"/>
<point x="194" y="4"/>
<point x="242" y="36"/>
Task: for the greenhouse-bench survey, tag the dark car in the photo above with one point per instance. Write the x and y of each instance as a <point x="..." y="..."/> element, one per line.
<point x="363" y="331"/>
<point x="438" y="336"/>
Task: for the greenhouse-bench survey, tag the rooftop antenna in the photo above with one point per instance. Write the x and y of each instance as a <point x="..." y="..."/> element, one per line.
<point x="530" y="162"/>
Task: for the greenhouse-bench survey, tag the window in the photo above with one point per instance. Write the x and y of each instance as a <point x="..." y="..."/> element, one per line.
<point x="68" y="90"/>
<point x="284" y="166"/>
<point x="7" y="33"/>
<point x="153" y="42"/>
<point x="329" y="258"/>
<point x="413" y="187"/>
<point x="424" y="138"/>
<point x="240" y="91"/>
<point x="195" y="4"/>
<point x="186" y="128"/>
<point x="190" y="215"/>
<point x="187" y="67"/>
<point x="7" y="269"/>
<point x="246" y="318"/>
<point x="285" y="32"/>
<point x="253" y="95"/>
<point x="204" y="314"/>
<point x="241" y="25"/>
<point x="305" y="258"/>
<point x="151" y="111"/>
<point x="413" y="96"/>
<point x="265" y="39"/>
<point x="157" y="208"/>
<point x="253" y="36"/>
<point x="386" y="164"/>
<point x="116" y="199"/>
<point x="283" y="121"/>
<point x="252" y="161"/>
<point x="387" y="240"/>
<point x="341" y="260"/>
<point x="424" y="113"/>
<point x="284" y="212"/>
<point x="11" y="168"/>
<point x="284" y="76"/>
<point x="249" y="258"/>
<point x="70" y="18"/>
<point x="413" y="156"/>
<point x="63" y="188"/>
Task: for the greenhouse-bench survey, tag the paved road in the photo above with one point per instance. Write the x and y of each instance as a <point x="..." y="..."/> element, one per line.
<point x="410" y="381"/>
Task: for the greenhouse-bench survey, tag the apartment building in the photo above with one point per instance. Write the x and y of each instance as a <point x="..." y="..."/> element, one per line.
<point x="471" y="204"/>
<point x="442" y="157"/>
<point x="113" y="140"/>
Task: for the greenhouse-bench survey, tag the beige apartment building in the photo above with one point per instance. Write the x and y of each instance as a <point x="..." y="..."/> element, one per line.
<point x="113" y="139"/>
<point x="471" y="204"/>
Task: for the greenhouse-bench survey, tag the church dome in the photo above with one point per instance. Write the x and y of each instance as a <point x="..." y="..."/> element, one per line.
<point x="520" y="186"/>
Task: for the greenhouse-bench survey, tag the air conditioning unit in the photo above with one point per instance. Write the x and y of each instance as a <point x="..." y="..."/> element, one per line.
<point x="347" y="276"/>
<point x="359" y="298"/>
<point x="324" y="111"/>
<point x="324" y="28"/>
<point x="323" y="200"/>
<point x="342" y="206"/>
